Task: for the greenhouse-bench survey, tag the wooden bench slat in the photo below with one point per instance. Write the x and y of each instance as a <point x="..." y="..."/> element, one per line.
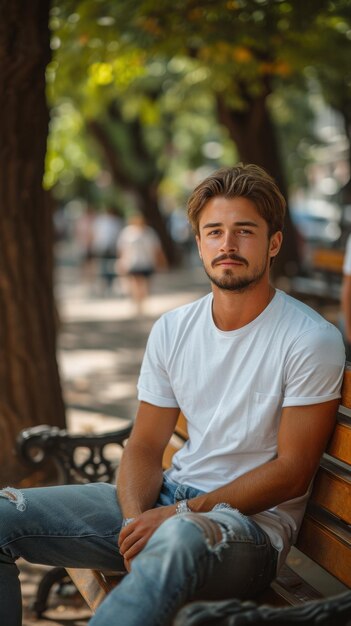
<point x="324" y="277"/>
<point x="328" y="543"/>
<point x="330" y="260"/>
<point x="293" y="588"/>
<point x="346" y="388"/>
<point x="332" y="490"/>
<point x="92" y="585"/>
<point x="337" y="527"/>
<point x="181" y="427"/>
<point x="174" y="444"/>
<point x="340" y="443"/>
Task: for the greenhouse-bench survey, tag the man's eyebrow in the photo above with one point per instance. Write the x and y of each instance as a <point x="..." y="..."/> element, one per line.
<point x="212" y="225"/>
<point x="247" y="223"/>
<point x="217" y="224"/>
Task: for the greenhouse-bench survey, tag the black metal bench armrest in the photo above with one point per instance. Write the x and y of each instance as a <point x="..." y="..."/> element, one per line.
<point x="78" y="458"/>
<point x="333" y="611"/>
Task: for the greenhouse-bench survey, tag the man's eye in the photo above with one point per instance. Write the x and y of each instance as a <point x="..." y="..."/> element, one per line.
<point x="244" y="231"/>
<point x="214" y="232"/>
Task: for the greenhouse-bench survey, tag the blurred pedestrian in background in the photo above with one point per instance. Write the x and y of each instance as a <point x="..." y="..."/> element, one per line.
<point x="139" y="254"/>
<point x="346" y="298"/>
<point x="84" y="233"/>
<point x="107" y="227"/>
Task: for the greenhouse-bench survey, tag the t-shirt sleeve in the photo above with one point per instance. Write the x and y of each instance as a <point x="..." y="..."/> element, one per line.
<point x="314" y="367"/>
<point x="154" y="385"/>
<point x="347" y="258"/>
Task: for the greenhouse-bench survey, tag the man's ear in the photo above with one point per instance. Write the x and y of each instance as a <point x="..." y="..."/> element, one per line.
<point x="275" y="243"/>
<point x="198" y="245"/>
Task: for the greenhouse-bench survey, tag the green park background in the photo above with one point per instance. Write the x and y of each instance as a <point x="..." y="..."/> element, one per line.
<point x="128" y="104"/>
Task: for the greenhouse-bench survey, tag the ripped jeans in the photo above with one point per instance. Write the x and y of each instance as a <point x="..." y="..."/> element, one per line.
<point x="215" y="555"/>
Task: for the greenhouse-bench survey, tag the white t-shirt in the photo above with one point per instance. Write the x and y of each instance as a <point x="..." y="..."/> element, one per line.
<point x="347" y="258"/>
<point x="231" y="387"/>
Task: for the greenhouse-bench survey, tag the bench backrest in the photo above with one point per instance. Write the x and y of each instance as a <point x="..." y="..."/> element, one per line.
<point x="177" y="440"/>
<point x="328" y="260"/>
<point x="325" y="535"/>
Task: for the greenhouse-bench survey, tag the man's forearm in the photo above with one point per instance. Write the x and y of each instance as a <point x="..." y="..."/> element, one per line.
<point x="303" y="434"/>
<point x="253" y="492"/>
<point x="139" y="479"/>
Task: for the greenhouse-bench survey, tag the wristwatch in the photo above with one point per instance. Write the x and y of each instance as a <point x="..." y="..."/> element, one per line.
<point x="126" y="521"/>
<point x="182" y="507"/>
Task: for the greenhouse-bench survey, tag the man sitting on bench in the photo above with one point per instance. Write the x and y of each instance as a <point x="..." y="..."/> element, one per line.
<point x="257" y="375"/>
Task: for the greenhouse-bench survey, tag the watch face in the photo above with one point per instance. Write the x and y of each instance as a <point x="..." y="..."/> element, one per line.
<point x="182" y="507"/>
<point x="127" y="520"/>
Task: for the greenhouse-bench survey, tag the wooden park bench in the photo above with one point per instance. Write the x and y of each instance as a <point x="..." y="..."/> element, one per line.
<point x="323" y="281"/>
<point x="325" y="535"/>
<point x="328" y="259"/>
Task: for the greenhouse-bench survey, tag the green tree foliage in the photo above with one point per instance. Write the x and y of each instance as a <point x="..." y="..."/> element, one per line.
<point x="141" y="70"/>
<point x="147" y="116"/>
<point x="250" y="47"/>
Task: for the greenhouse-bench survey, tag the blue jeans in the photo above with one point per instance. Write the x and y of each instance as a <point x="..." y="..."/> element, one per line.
<point x="216" y="555"/>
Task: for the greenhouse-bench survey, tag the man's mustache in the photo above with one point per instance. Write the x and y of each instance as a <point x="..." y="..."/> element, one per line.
<point x="232" y="257"/>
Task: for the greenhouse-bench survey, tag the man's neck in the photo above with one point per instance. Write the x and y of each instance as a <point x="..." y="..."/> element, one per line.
<point x="232" y="310"/>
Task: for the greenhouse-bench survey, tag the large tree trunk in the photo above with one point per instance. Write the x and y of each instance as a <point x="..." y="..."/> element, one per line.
<point x="344" y="195"/>
<point x="30" y="391"/>
<point x="253" y="133"/>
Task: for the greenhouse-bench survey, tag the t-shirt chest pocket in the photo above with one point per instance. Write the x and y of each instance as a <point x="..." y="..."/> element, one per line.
<point x="264" y="417"/>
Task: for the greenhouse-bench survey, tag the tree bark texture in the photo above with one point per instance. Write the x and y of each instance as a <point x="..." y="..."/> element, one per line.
<point x="253" y="133"/>
<point x="344" y="195"/>
<point x="30" y="391"/>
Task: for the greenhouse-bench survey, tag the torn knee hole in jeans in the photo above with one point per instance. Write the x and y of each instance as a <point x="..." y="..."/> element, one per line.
<point x="215" y="534"/>
<point x="14" y="495"/>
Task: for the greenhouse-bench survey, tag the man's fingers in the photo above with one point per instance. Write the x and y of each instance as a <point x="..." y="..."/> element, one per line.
<point x="130" y="541"/>
<point x="127" y="565"/>
<point x="136" y="534"/>
<point x="125" y="532"/>
<point x="135" y="549"/>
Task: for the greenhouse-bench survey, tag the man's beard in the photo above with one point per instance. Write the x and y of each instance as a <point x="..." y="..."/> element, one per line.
<point x="230" y="282"/>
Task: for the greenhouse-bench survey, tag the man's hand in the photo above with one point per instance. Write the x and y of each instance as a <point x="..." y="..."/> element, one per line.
<point x="135" y="535"/>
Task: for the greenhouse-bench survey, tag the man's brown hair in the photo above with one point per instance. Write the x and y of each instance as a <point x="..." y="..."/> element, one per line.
<point x="246" y="181"/>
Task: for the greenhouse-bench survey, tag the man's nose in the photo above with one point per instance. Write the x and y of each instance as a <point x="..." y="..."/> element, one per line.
<point x="229" y="242"/>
